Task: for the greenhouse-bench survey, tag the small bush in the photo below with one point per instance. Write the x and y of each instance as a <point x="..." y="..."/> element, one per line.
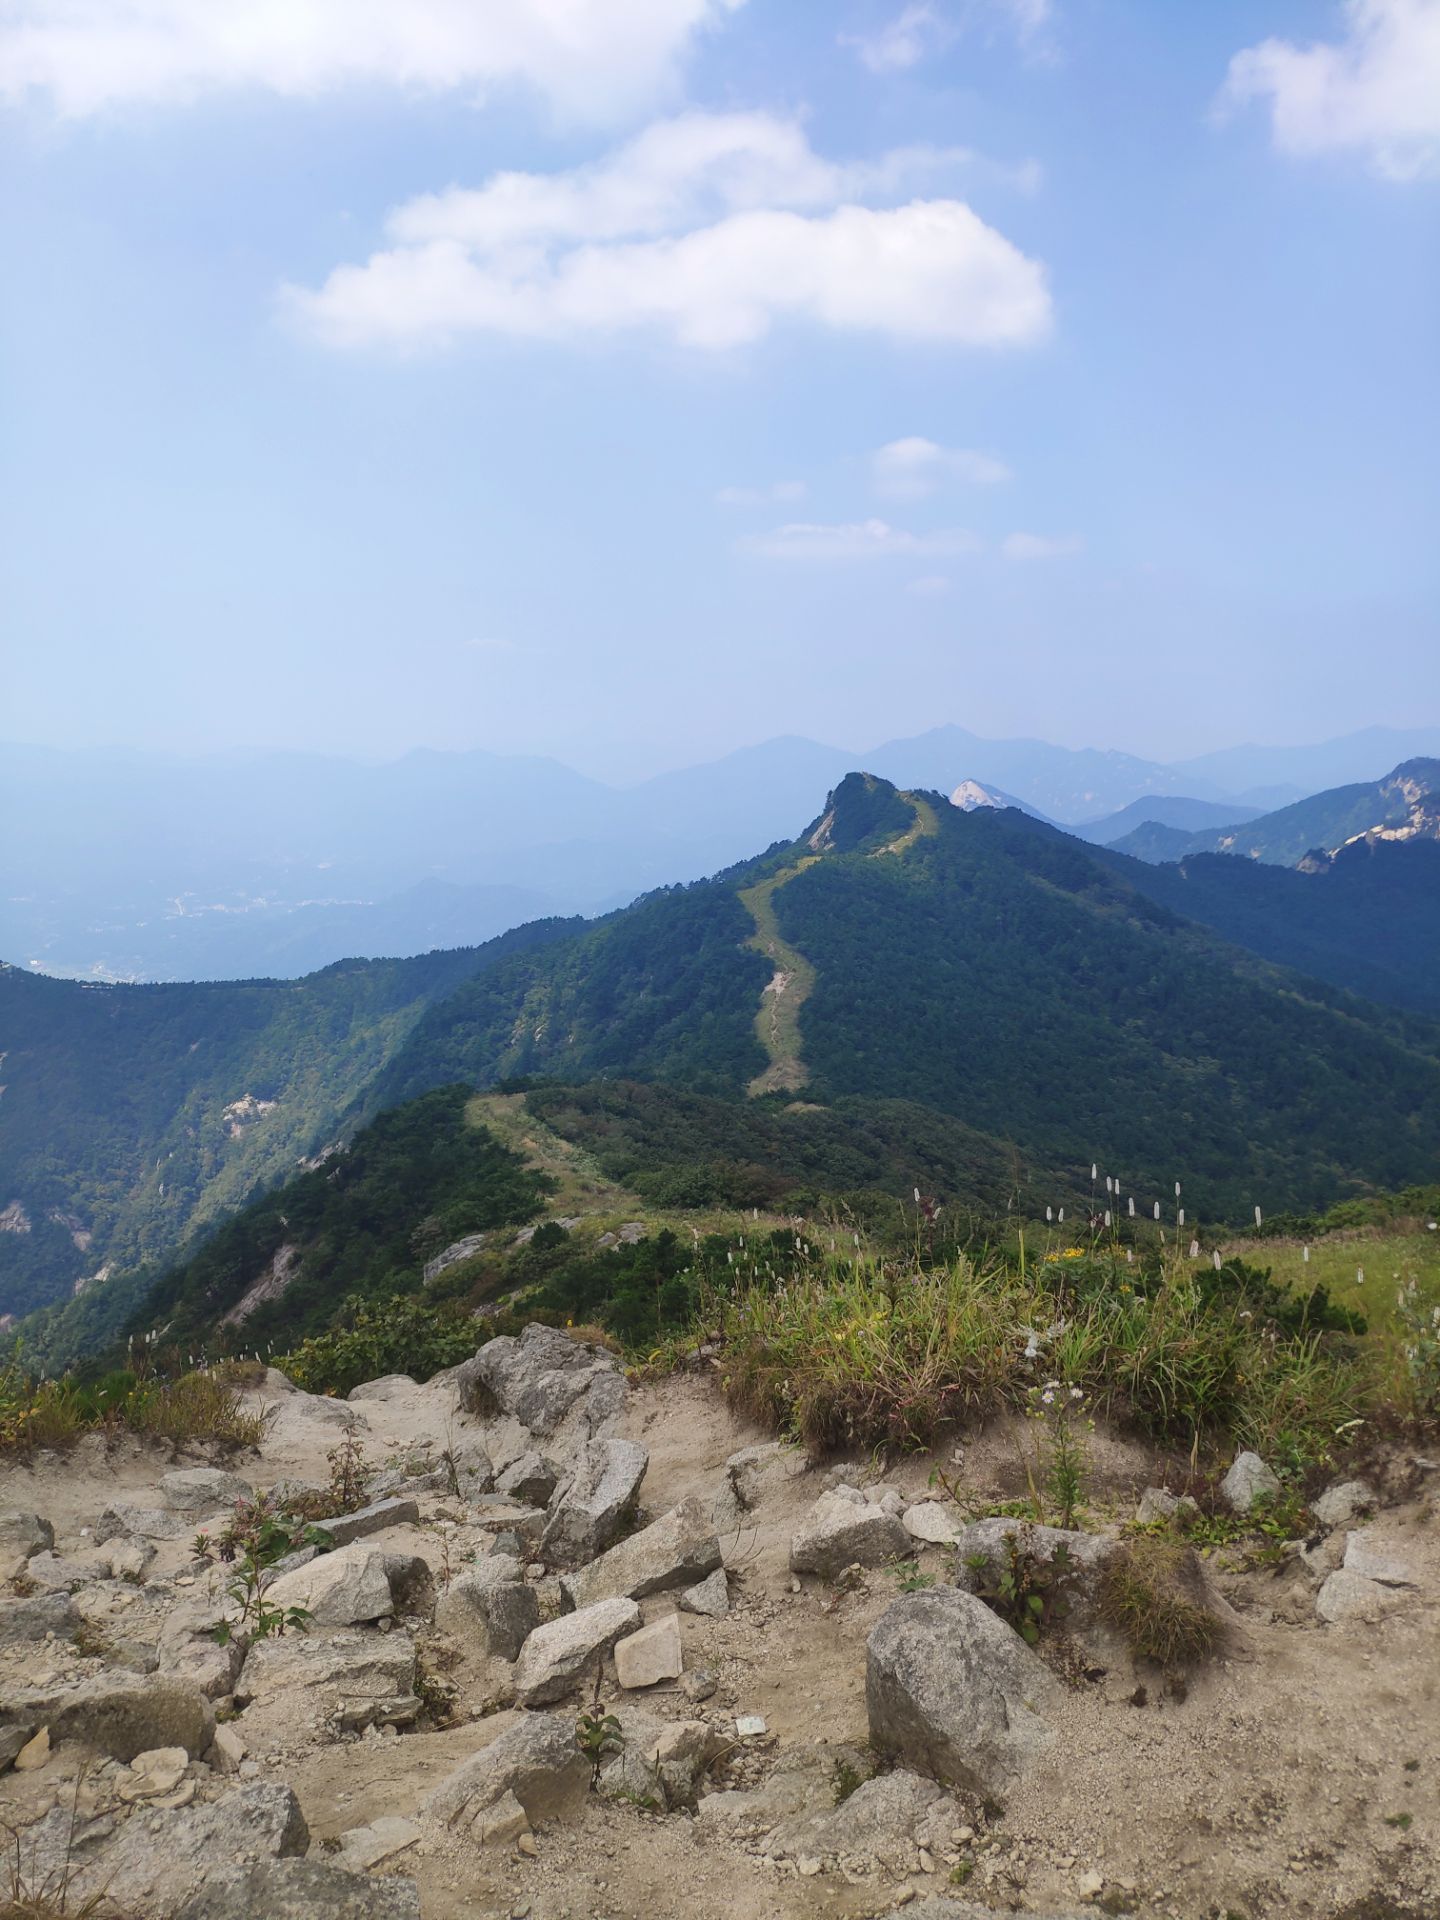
<point x="54" y="1413"/>
<point x="374" y="1337"/>
<point x="1152" y="1591"/>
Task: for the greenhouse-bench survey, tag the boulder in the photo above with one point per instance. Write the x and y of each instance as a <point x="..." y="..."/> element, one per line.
<point x="954" y="1693"/>
<point x="346" y="1528"/>
<point x="711" y="1597"/>
<point x="593" y="1507"/>
<point x="673" y="1551"/>
<point x="384" y="1837"/>
<point x="557" y="1657"/>
<point x="22" y="1621"/>
<point x="840" y="1532"/>
<point x="151" y="1523"/>
<point x="535" y="1759"/>
<point x="1249" y="1479"/>
<point x="121" y="1714"/>
<point x="471" y="1467"/>
<point x="1346" y="1595"/>
<point x="988" y="1541"/>
<point x="543" y="1379"/>
<point x="1361" y="1557"/>
<point x="22" y="1535"/>
<point x="660" y="1762"/>
<point x="301" y="1890"/>
<point x="499" y="1614"/>
<point x="351" y="1665"/>
<point x="59" y="1573"/>
<point x="933" y="1522"/>
<point x="338" y="1589"/>
<point x="150" y="1864"/>
<point x="390" y="1386"/>
<point x="1344" y="1502"/>
<point x="653" y="1654"/>
<point x="530" y="1480"/>
<point x="885" y="1818"/>
<point x="202" y="1490"/>
<point x="1158" y="1503"/>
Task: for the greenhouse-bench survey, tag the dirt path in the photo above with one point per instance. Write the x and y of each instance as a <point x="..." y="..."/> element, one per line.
<point x="777" y="1024"/>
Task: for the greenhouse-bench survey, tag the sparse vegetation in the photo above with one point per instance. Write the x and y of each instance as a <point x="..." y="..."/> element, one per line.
<point x="201" y="1405"/>
<point x="1028" y="1589"/>
<point x="1152" y="1591"/>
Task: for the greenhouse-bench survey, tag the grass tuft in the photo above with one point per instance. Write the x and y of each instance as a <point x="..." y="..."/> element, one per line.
<point x="1152" y="1591"/>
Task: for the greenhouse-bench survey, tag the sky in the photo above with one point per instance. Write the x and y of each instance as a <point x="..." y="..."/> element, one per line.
<point x="633" y="384"/>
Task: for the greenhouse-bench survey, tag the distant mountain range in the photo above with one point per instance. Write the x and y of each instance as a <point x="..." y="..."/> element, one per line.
<point x="1064" y="1002"/>
<point x="142" y="866"/>
<point x="1404" y="805"/>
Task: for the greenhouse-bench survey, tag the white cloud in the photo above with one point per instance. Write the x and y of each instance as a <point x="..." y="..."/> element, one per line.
<point x="1376" y="91"/>
<point x="922" y="28"/>
<point x="911" y="468"/>
<point x="1040" y="546"/>
<point x="859" y="540"/>
<point x="929" y="586"/>
<point x="709" y="227"/>
<point x="902" y="42"/>
<point x="586" y="56"/>
<point x="779" y="493"/>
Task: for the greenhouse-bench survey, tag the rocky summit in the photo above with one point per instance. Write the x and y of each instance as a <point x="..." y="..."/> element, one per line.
<point x="648" y="1661"/>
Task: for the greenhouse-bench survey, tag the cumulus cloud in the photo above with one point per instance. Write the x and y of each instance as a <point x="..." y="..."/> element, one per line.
<point x="709" y="228"/>
<point x="778" y="493"/>
<point x="586" y="56"/>
<point x="911" y="468"/>
<point x="1040" y="546"/>
<point x="859" y="540"/>
<point x="1376" y="91"/>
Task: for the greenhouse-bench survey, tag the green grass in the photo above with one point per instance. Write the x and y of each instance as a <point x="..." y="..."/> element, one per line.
<point x="53" y="1413"/>
<point x="851" y="1352"/>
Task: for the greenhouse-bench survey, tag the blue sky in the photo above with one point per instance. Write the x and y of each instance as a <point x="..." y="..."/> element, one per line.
<point x="1058" y="368"/>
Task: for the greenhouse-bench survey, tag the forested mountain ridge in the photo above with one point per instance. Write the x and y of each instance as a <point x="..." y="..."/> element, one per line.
<point x="131" y="1116"/>
<point x="1405" y="805"/>
<point x="994" y="969"/>
<point x="984" y="967"/>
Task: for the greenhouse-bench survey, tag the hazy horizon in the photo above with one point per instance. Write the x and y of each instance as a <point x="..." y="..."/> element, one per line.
<point x="634" y="396"/>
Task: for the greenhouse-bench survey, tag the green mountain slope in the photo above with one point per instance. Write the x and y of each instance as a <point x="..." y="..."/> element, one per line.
<point x="432" y="1172"/>
<point x="993" y="969"/>
<point x="131" y="1116"/>
<point x="1406" y="803"/>
<point x="1367" y="919"/>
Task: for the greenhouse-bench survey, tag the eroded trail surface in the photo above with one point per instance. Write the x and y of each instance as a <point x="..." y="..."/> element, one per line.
<point x="528" y="1516"/>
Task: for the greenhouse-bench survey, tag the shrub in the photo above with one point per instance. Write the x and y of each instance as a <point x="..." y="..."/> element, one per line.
<point x="53" y="1413"/>
<point x="1153" y="1592"/>
<point x="370" y="1338"/>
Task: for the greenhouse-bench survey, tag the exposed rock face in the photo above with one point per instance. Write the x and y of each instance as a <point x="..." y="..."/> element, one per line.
<point x="301" y="1890"/>
<point x="120" y="1713"/>
<point x="499" y="1613"/>
<point x="933" y="1522"/>
<point x="457" y="1250"/>
<point x="953" y="1693"/>
<point x="375" y="1518"/>
<point x="1346" y="1501"/>
<point x="675" y="1550"/>
<point x="22" y="1535"/>
<point x="543" y="1378"/>
<point x="531" y="1480"/>
<point x="591" y="1509"/>
<point x="536" y="1760"/>
<point x="32" y="1619"/>
<point x="339" y="1589"/>
<point x="202" y="1490"/>
<point x="1158" y="1503"/>
<point x="151" y="1523"/>
<point x="711" y="1597"/>
<point x="557" y="1656"/>
<point x="842" y="1531"/>
<point x="151" y="1864"/>
<point x="354" y="1665"/>
<point x="1248" y="1479"/>
<point x="653" y="1654"/>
